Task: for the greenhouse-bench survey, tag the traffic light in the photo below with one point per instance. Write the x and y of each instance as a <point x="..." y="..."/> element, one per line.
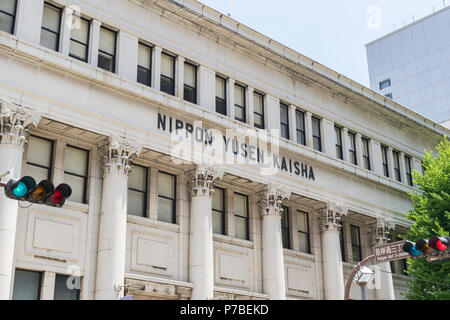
<point x="439" y="243"/>
<point x="423" y="246"/>
<point x="409" y="247"/>
<point x="20" y="189"/>
<point x="25" y="189"/>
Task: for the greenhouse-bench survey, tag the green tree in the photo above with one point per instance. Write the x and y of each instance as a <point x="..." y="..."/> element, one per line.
<point x="431" y="217"/>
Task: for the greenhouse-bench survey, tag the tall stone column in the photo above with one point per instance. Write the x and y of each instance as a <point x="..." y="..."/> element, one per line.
<point x="14" y="125"/>
<point x="201" y="251"/>
<point x="274" y="280"/>
<point x="384" y="286"/>
<point x="333" y="275"/>
<point x="113" y="219"/>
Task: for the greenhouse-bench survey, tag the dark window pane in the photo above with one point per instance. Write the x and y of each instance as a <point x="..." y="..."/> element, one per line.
<point x="221" y="106"/>
<point x="49" y="40"/>
<point x="190" y="94"/>
<point x="27" y="285"/>
<point x="167" y="85"/>
<point x="8" y="6"/>
<point x="66" y="288"/>
<point x="78" y="50"/>
<point x="105" y="62"/>
<point x="6" y="23"/>
<point x="144" y="76"/>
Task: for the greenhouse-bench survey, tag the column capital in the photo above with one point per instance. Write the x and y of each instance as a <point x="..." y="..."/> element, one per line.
<point x="15" y="122"/>
<point x="119" y="153"/>
<point x="202" y="181"/>
<point x="380" y="230"/>
<point x="330" y="217"/>
<point x="271" y="198"/>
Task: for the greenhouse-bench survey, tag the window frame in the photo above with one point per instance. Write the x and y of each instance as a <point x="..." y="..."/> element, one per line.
<point x="222" y="213"/>
<point x="88" y="38"/>
<point x="366" y="157"/>
<point x="86" y="178"/>
<point x="338" y="146"/>
<point x="307" y="233"/>
<point x="52" y="154"/>
<point x="396" y="160"/>
<point x="58" y="44"/>
<point x="145" y="192"/>
<point x="195" y="89"/>
<point x="244" y="100"/>
<point x="174" y="208"/>
<point x="13" y="25"/>
<point x="172" y="80"/>
<point x="284" y="124"/>
<point x="319" y="138"/>
<point x="247" y="219"/>
<point x="262" y="126"/>
<point x="225" y="94"/>
<point x="352" y="137"/>
<point x="149" y="84"/>
<point x="384" y="160"/>
<point x="287" y="228"/>
<point x="387" y="81"/>
<point x="358" y="246"/>
<point x="297" y="130"/>
<point x="408" y="169"/>
<point x="114" y="57"/>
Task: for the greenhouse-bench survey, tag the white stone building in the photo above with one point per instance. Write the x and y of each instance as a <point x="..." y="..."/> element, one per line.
<point x="412" y="66"/>
<point x="91" y="89"/>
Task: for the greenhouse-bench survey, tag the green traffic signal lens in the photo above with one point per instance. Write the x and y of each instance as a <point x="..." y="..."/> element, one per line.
<point x="21" y="190"/>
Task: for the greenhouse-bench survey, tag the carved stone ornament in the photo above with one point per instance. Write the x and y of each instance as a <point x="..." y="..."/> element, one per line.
<point x="380" y="230"/>
<point x="270" y="200"/>
<point x="202" y="181"/>
<point x="15" y="122"/>
<point x="331" y="216"/>
<point x="119" y="153"/>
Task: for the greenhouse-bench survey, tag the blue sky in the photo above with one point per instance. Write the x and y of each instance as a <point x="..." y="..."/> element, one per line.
<point x="332" y="32"/>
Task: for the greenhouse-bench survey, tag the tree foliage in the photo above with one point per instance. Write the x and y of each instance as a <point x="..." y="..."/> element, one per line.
<point x="431" y="217"/>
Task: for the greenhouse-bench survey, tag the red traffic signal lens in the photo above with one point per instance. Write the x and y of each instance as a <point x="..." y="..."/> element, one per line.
<point x="58" y="197"/>
<point x="438" y="243"/>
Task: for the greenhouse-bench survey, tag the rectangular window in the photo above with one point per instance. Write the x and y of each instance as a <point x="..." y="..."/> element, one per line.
<point x="338" y="143"/>
<point x="408" y="171"/>
<point x="39" y="158"/>
<point x="51" y="27"/>
<point x="285" y="231"/>
<point x="241" y="216"/>
<point x="352" y="148"/>
<point x="284" y="121"/>
<point x="218" y="211"/>
<point x="76" y="172"/>
<point x="317" y="136"/>
<point x="137" y="191"/>
<point x="166" y="197"/>
<point x="190" y="82"/>
<point x="303" y="231"/>
<point x="144" y="68"/>
<point x="388" y="95"/>
<point x="107" y="50"/>
<point x="396" y="157"/>
<point x="300" y="122"/>
<point x="341" y="241"/>
<point x="240" y="112"/>
<point x="365" y="153"/>
<point x="258" y="102"/>
<point x="385" y="84"/>
<point x="221" y="95"/>
<point x="79" y="39"/>
<point x="399" y="267"/>
<point x="384" y="156"/>
<point x="167" y="74"/>
<point x="27" y="285"/>
<point x="356" y="243"/>
<point x="66" y="288"/>
<point x="8" y="15"/>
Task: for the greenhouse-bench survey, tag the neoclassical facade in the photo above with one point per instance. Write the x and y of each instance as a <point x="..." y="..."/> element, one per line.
<point x="206" y="160"/>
